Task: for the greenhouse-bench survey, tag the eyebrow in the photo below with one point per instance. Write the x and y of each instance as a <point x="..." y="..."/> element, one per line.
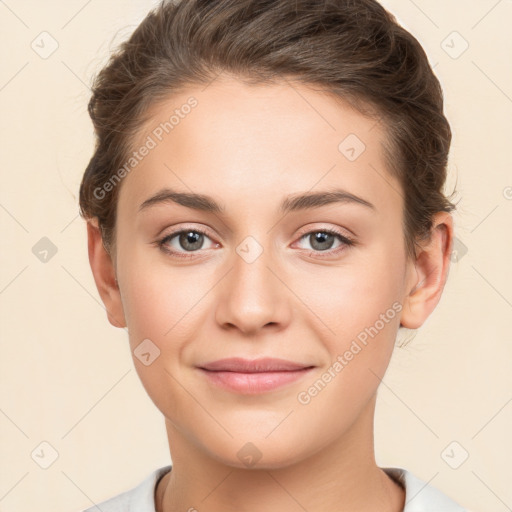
<point x="291" y="203"/>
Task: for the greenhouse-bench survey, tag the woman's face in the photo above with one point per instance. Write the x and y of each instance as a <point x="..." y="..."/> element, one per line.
<point x="259" y="274"/>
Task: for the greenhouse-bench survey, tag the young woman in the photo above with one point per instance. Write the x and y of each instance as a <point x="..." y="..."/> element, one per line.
<point x="265" y="211"/>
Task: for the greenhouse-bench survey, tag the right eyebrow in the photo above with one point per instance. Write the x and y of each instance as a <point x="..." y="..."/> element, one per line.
<point x="189" y="199"/>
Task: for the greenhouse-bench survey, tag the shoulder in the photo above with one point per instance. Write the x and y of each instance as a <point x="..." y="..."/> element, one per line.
<point x="140" y="498"/>
<point x="420" y="496"/>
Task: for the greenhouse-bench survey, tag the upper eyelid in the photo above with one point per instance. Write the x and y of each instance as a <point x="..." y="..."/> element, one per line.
<point x="336" y="230"/>
<point x="302" y="231"/>
<point x="206" y="231"/>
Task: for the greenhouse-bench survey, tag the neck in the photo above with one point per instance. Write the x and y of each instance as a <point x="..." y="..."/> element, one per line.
<point x="341" y="477"/>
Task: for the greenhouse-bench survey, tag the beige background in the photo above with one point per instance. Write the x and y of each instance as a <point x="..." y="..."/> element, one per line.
<point x="67" y="377"/>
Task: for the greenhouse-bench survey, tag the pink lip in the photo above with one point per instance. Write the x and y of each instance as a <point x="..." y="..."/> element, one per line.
<point x="253" y="376"/>
<point x="265" y="364"/>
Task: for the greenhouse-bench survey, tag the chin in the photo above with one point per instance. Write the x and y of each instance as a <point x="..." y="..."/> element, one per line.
<point x="260" y="454"/>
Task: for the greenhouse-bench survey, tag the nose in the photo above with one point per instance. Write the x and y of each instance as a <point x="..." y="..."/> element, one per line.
<point x="252" y="296"/>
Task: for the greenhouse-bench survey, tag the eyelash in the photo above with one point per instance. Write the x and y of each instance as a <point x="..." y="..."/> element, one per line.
<point x="346" y="241"/>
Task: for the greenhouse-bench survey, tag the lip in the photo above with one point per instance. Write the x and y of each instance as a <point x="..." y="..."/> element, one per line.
<point x="265" y="364"/>
<point x="253" y="376"/>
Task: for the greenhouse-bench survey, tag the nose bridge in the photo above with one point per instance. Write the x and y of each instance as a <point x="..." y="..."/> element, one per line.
<point x="251" y="296"/>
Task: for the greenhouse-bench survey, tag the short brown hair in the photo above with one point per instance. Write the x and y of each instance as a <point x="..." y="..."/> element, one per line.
<point x="354" y="50"/>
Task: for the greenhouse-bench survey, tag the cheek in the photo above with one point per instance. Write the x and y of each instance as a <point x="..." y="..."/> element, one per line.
<point x="157" y="298"/>
<point x="353" y="296"/>
<point x="160" y="308"/>
<point x="358" y="307"/>
<point x="361" y="305"/>
<point x="165" y="310"/>
<point x="147" y="307"/>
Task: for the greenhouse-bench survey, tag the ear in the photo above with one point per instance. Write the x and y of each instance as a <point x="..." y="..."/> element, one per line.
<point x="104" y="275"/>
<point x="428" y="273"/>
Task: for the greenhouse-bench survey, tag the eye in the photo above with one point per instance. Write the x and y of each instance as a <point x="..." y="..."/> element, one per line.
<point x="192" y="240"/>
<point x="322" y="241"/>
<point x="186" y="240"/>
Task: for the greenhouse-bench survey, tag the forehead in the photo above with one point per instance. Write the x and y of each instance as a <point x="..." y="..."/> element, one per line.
<point x="249" y="142"/>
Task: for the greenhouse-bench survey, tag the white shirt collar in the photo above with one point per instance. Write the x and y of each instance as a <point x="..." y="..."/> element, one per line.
<point x="419" y="495"/>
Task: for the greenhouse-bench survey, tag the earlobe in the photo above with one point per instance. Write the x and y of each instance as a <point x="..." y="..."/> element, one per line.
<point x="104" y="275"/>
<point x="429" y="274"/>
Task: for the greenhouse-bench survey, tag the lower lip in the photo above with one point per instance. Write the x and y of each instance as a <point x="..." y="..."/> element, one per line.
<point x="254" y="383"/>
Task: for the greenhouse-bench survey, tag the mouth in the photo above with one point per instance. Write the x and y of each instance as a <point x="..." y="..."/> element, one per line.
<point x="253" y="376"/>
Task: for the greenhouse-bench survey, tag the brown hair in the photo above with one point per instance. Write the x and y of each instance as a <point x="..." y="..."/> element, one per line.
<point x="354" y="50"/>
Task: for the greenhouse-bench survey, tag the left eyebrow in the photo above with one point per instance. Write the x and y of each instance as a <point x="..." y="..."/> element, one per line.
<point x="321" y="198"/>
<point x="294" y="202"/>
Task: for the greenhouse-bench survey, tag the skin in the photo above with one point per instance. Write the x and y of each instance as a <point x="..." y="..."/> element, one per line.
<point x="248" y="147"/>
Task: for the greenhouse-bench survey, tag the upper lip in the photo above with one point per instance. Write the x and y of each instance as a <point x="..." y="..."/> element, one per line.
<point x="266" y="364"/>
